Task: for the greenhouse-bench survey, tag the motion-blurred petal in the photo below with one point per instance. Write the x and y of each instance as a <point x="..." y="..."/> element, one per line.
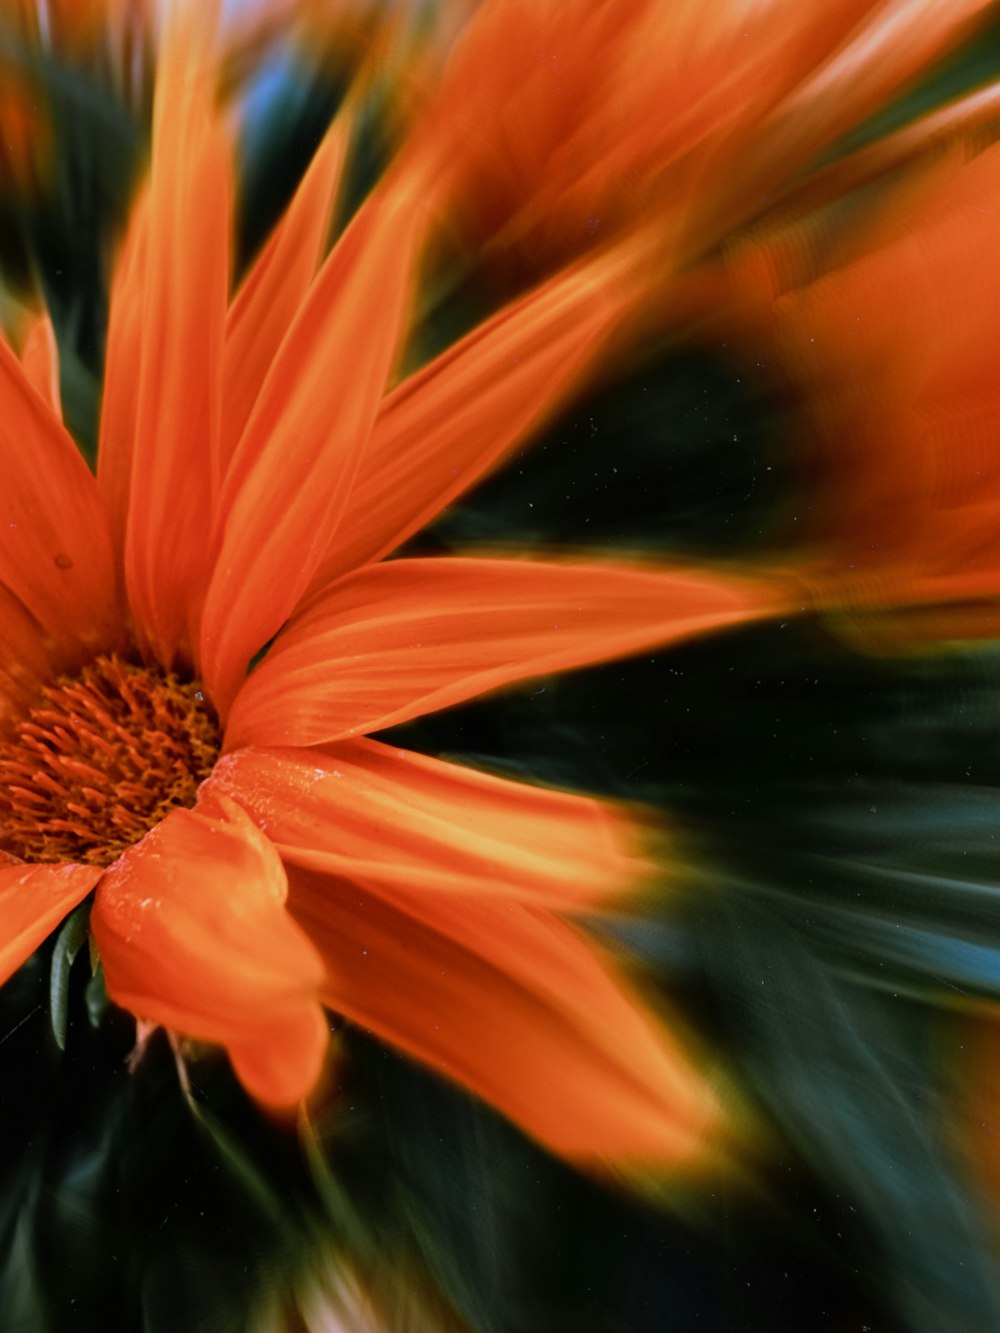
<point x="522" y="1009"/>
<point x="396" y="640"/>
<point x="395" y="820"/>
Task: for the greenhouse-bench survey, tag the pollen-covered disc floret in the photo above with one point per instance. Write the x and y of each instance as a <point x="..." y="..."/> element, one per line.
<point x="102" y="757"/>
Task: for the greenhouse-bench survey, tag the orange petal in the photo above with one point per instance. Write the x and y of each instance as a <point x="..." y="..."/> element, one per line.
<point x="283" y="1062"/>
<point x="193" y="934"/>
<point x="40" y="359"/>
<point x="289" y="480"/>
<point x="452" y="421"/>
<point x="122" y="367"/>
<point x="400" y="820"/>
<point x="892" y="355"/>
<point x="894" y="45"/>
<point x="176" y="464"/>
<point x="857" y="67"/>
<point x="557" y="119"/>
<point x="955" y="123"/>
<point x="55" y="554"/>
<point x="27" y="660"/>
<point x="265" y="305"/>
<point x="33" y="900"/>
<point x="518" y="1007"/>
<point x="396" y="640"/>
<point x="560" y="118"/>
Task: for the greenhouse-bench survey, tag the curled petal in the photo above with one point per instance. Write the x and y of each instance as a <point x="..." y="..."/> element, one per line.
<point x="193" y="933"/>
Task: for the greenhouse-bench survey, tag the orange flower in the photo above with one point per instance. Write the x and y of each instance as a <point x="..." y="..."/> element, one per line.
<point x="559" y="121"/>
<point x="254" y="856"/>
<point x="885" y="332"/>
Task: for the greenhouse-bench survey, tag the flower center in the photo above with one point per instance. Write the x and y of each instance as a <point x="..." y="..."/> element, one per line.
<point x="100" y="759"/>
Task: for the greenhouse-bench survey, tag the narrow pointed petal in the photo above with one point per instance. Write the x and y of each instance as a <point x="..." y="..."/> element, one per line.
<point x="265" y="304"/>
<point x="957" y="122"/>
<point x="400" y="820"/>
<point x="896" y="43"/>
<point x="193" y="934"/>
<point x="396" y="640"/>
<point x="55" y="547"/>
<point x="289" y="481"/>
<point x="40" y="359"/>
<point x="33" y="900"/>
<point x="517" y="1006"/>
<point x="28" y="658"/>
<point x="899" y="40"/>
<point x="122" y="368"/>
<point x="176" y="463"/>
<point x="450" y="423"/>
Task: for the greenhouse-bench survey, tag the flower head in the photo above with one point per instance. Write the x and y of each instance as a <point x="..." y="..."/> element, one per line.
<point x="198" y="641"/>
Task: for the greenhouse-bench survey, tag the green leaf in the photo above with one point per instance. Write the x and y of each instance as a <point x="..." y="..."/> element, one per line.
<point x="95" y="957"/>
<point x="68" y="944"/>
<point x="97" y="998"/>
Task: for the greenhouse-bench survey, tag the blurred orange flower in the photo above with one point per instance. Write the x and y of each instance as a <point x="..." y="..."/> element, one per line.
<point x="254" y="856"/>
<point x="881" y="333"/>
<point x="559" y="121"/>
